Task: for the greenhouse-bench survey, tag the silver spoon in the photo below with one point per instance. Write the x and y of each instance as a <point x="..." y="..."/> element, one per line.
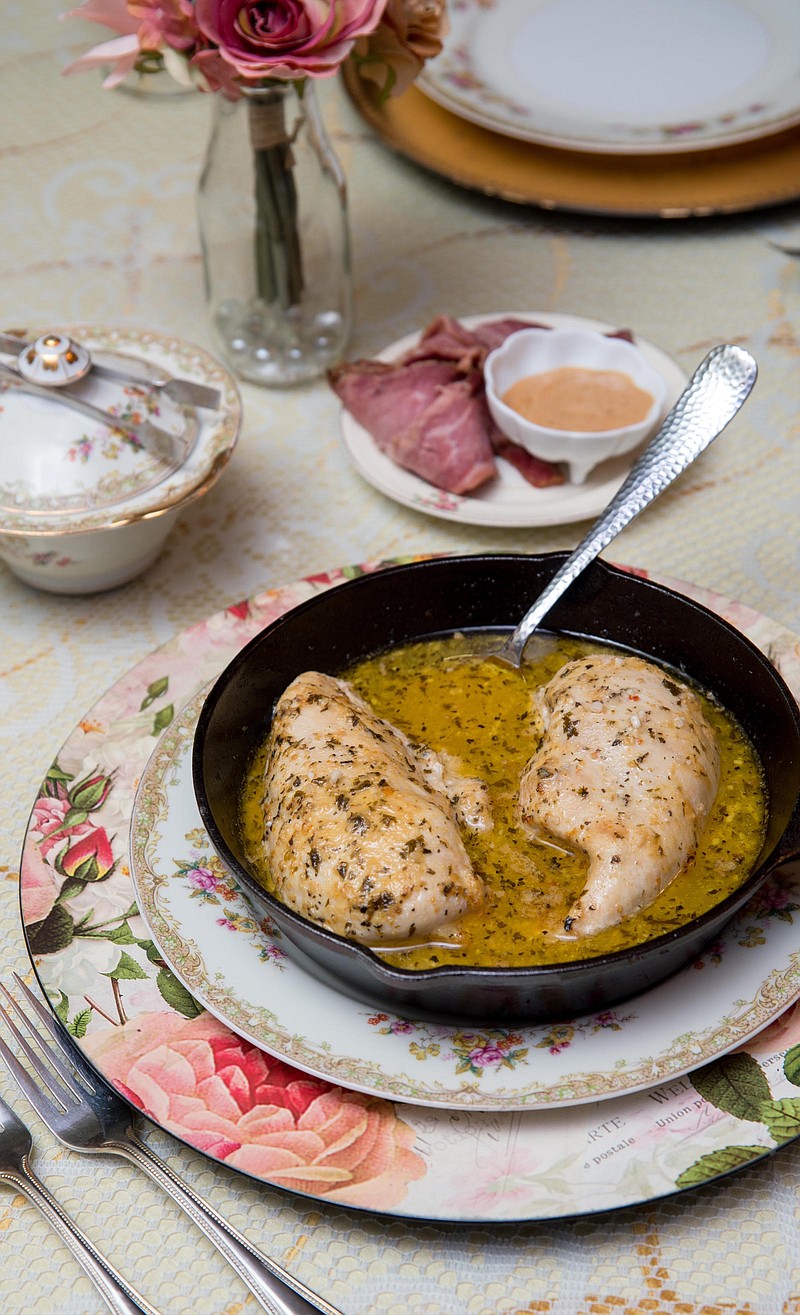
<point x="53" y="361"/>
<point x="716" y="391"/>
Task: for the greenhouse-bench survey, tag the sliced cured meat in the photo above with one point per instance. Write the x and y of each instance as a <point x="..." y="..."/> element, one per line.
<point x="495" y="332"/>
<point x="448" y="339"/>
<point x="428" y="412"/>
<point x="449" y="445"/>
<point x="541" y="474"/>
<point x="424" y="416"/>
<point x="389" y="398"/>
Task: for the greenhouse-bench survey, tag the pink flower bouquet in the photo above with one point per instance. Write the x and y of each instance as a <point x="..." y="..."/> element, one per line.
<point x="286" y="315"/>
<point x="225" y="45"/>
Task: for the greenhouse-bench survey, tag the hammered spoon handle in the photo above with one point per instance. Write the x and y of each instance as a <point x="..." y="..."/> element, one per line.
<point x="718" y="388"/>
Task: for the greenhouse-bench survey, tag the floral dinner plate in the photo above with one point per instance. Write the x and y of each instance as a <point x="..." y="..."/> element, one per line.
<point x="622" y="76"/>
<point x="136" y="1022"/>
<point x="508" y="500"/>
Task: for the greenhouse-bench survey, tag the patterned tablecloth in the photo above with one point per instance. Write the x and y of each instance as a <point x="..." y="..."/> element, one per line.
<point x="98" y="224"/>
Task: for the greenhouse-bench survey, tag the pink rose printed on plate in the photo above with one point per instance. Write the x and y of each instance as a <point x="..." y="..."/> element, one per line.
<point x="255" y="1113"/>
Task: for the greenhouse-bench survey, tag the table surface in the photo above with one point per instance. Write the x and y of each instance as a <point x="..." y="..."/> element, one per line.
<point x="98" y="221"/>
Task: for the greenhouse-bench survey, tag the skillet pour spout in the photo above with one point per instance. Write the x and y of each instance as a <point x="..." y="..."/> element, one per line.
<point x="489" y="592"/>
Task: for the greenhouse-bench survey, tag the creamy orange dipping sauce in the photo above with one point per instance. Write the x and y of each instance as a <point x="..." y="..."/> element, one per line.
<point x="579" y="399"/>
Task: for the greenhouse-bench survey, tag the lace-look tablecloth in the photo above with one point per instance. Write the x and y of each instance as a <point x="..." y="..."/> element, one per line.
<point x="98" y="222"/>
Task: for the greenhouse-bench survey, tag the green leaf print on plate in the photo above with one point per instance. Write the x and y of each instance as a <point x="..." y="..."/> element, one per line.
<point x="738" y="1085"/>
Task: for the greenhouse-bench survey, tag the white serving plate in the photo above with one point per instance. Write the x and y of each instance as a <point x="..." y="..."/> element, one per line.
<point x="508" y="501"/>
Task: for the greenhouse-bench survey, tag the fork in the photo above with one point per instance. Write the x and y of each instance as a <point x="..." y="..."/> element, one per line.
<point x="169" y="447"/>
<point x="88" y="1116"/>
<point x="15" y="1170"/>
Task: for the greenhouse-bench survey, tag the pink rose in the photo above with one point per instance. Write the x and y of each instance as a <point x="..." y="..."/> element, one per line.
<point x="88" y="855"/>
<point x="485" y="1056"/>
<point x="39" y="883"/>
<point x="49" y="812"/>
<point x="286" y="38"/>
<point x="258" y="1114"/>
<point x="202" y="878"/>
<point x="38" y="886"/>
<point x="78" y="850"/>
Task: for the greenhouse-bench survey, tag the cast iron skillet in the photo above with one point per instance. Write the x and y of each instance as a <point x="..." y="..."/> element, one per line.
<point x="491" y="592"/>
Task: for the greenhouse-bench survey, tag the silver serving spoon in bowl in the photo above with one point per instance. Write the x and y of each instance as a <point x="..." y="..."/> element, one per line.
<point x="54" y="360"/>
<point x="718" y="388"/>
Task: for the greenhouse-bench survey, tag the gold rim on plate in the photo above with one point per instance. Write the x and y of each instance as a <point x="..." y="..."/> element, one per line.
<point x="725" y="180"/>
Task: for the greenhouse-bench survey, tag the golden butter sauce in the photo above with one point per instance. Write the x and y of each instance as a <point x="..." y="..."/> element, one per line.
<point x="480" y="713"/>
<point x="579" y="399"/>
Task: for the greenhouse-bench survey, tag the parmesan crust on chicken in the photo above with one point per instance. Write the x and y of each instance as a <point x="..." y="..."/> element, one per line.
<point x="627" y="771"/>
<point x="361" y="827"/>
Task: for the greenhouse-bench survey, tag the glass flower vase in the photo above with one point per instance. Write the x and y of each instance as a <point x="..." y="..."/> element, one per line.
<point x="272" y="211"/>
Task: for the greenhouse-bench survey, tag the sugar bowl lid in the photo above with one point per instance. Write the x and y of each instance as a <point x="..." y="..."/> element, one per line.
<point x="66" y="469"/>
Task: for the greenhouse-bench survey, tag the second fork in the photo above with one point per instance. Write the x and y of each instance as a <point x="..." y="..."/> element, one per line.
<point x="88" y="1116"/>
<point x="15" y="1169"/>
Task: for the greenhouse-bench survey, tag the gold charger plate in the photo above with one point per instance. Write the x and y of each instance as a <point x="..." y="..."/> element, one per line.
<point x="722" y="181"/>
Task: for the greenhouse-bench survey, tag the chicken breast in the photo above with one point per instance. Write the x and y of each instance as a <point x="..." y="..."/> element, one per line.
<point x="627" y="770"/>
<point x="361" y="828"/>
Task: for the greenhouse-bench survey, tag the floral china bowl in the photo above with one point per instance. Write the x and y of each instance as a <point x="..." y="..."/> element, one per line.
<point x="532" y="353"/>
<point x="86" y="505"/>
<point x="489" y="592"/>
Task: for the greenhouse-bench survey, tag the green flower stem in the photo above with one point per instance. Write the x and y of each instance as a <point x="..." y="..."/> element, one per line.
<point x="278" y="256"/>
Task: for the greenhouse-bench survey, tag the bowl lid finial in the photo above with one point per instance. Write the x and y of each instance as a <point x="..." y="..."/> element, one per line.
<point x="54" y="360"/>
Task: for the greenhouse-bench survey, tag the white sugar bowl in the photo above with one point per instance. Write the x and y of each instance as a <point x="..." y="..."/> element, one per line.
<point x="84" y="505"/>
<point x="593" y="396"/>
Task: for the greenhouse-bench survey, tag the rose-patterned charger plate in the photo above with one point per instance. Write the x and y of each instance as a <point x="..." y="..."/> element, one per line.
<point x="195" y="1077"/>
<point x="508" y="500"/>
<point x="621" y="76"/>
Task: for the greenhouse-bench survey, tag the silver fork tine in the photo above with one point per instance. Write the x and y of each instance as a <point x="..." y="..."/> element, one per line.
<point x="169" y="447"/>
<point x="44" y="1073"/>
<point x="40" y="1102"/>
<point x="93" y="1118"/>
<point x="75" y="1071"/>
